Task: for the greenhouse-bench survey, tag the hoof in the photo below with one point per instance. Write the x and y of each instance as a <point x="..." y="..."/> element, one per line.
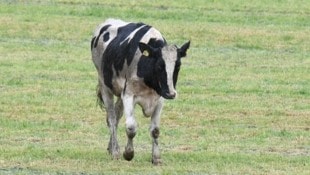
<point x="156" y="162"/>
<point x="115" y="154"/>
<point x="128" y="155"/>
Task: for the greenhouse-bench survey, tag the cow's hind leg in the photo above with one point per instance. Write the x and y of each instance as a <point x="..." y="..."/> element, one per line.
<point x="112" y="121"/>
<point x="131" y="126"/>
<point x="119" y="108"/>
<point x="118" y="113"/>
<point x="154" y="129"/>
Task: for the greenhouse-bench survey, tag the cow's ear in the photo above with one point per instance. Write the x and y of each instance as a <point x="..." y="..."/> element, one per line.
<point x="146" y="49"/>
<point x="183" y="49"/>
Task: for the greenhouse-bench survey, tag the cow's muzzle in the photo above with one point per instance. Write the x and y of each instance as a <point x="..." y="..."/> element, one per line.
<point x="170" y="95"/>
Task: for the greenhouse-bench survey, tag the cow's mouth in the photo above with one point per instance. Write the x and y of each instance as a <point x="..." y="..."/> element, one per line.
<point x="168" y="95"/>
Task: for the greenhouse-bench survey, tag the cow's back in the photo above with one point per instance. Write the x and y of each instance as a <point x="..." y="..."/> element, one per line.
<point x="102" y="36"/>
<point x="115" y="49"/>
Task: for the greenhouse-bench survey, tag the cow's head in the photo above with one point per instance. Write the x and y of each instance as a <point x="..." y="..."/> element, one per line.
<point x="167" y="66"/>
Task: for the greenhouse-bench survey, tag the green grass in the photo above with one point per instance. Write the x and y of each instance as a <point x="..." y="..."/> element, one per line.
<point x="244" y="96"/>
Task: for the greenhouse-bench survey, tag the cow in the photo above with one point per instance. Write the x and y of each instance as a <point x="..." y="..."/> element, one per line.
<point x="136" y="66"/>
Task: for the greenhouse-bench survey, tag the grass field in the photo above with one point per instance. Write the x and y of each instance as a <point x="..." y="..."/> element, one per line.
<point x="244" y="89"/>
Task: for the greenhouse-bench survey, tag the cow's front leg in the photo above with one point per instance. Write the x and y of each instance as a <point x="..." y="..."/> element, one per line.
<point x="154" y="129"/>
<point x="131" y="126"/>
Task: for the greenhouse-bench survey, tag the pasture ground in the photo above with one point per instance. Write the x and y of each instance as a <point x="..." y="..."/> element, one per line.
<point x="244" y="89"/>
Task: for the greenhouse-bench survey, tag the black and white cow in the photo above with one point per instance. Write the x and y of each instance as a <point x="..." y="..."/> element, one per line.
<point x="136" y="65"/>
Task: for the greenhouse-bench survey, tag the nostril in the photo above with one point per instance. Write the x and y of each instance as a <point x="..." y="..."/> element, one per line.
<point x="172" y="95"/>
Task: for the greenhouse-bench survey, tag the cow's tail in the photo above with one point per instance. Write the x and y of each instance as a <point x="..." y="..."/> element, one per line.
<point x="100" y="101"/>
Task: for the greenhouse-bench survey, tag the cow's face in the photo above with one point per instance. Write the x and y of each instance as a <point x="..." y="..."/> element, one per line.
<point x="167" y="66"/>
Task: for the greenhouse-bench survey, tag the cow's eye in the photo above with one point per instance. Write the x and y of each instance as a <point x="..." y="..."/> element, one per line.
<point x="159" y="68"/>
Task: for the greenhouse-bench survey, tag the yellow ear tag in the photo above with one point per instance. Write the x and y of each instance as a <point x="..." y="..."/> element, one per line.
<point x="145" y="53"/>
